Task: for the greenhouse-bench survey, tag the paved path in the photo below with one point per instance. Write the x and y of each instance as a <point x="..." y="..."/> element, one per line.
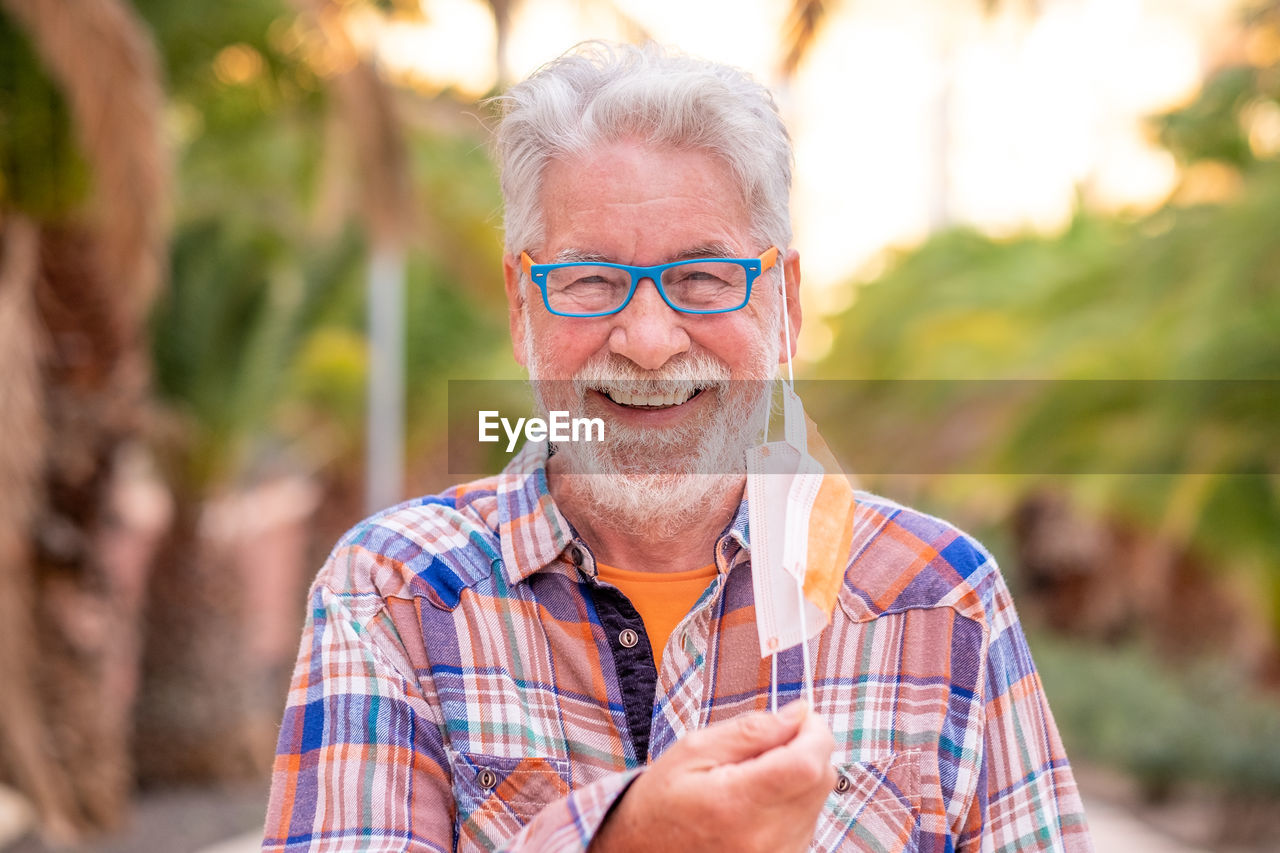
<point x="1114" y="831"/>
<point x="15" y="817"/>
<point x="1117" y="831"/>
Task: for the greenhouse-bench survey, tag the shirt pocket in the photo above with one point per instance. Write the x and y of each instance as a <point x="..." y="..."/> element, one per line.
<point x="875" y="806"/>
<point x="498" y="795"/>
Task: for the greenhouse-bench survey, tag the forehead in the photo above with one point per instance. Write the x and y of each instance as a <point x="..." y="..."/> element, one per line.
<point x="639" y="203"/>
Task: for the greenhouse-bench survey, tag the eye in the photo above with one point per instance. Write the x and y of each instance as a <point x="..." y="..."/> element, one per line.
<point x="588" y="281"/>
<point x="698" y="275"/>
<point x="705" y="275"/>
<point x="572" y="279"/>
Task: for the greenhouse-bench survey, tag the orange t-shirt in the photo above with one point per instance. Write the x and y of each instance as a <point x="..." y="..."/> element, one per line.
<point x="661" y="598"/>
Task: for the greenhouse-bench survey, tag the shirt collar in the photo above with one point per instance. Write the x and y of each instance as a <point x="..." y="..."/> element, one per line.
<point x="736" y="538"/>
<point x="531" y="528"/>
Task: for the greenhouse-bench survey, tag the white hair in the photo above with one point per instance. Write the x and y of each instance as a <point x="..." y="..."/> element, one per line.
<point x="600" y="92"/>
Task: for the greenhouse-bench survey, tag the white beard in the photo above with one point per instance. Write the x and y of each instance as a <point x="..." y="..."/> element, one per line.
<point x="661" y="480"/>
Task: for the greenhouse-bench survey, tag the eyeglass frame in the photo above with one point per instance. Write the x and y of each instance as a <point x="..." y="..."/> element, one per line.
<point x="754" y="268"/>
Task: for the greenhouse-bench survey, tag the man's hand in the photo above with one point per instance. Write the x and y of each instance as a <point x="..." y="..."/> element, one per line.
<point x="753" y="783"/>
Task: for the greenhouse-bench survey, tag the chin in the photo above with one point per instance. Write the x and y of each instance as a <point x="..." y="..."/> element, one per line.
<point x="663" y="504"/>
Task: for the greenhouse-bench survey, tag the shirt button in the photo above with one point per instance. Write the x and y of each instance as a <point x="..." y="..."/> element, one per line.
<point x="575" y="556"/>
<point x="628" y="638"/>
<point x="487" y="779"/>
<point x="842" y="784"/>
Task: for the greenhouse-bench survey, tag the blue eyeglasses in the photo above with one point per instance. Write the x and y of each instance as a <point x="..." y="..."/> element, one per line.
<point x="596" y="289"/>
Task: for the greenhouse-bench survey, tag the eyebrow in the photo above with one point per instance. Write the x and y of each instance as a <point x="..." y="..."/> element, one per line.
<point x="705" y="250"/>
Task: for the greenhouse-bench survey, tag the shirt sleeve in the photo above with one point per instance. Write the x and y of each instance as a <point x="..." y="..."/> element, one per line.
<point x="361" y="757"/>
<point x="360" y="754"/>
<point x="1026" y="797"/>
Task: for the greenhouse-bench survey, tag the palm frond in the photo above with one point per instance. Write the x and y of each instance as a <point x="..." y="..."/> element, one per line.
<point x="100" y="54"/>
<point x="368" y="115"/>
<point x="803" y="22"/>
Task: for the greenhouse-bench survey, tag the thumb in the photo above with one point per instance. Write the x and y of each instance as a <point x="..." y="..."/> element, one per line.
<point x="746" y="736"/>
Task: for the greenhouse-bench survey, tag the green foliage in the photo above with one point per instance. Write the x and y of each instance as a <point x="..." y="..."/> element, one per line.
<point x="1185" y="300"/>
<point x="329" y="382"/>
<point x="446" y="338"/>
<point x="1122" y="707"/>
<point x="259" y="343"/>
<point x="189" y="37"/>
<point x="1187" y="293"/>
<point x="42" y="171"/>
<point x="1211" y="128"/>
<point x="1216" y="125"/>
<point x="241" y="306"/>
<point x="251" y="276"/>
<point x="248" y="111"/>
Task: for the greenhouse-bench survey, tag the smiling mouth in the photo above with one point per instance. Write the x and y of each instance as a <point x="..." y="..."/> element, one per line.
<point x="650" y="401"/>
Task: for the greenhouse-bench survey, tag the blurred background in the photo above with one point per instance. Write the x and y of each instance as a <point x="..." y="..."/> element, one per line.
<point x="244" y="244"/>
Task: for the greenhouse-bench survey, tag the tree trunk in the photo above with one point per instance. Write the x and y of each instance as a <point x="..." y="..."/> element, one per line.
<point x="82" y="517"/>
<point x="77" y="574"/>
<point x="227" y="604"/>
<point x="24" y="739"/>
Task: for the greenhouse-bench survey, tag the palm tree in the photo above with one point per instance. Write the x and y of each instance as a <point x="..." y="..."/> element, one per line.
<point x="806" y="18"/>
<point x="78" y="278"/>
<point x="385" y="206"/>
<point x="805" y="21"/>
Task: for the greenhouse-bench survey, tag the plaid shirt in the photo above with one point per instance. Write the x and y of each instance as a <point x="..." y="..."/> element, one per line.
<point x="462" y="685"/>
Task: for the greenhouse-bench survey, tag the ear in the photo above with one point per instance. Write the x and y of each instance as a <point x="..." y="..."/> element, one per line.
<point x="791" y="280"/>
<point x="516" y="305"/>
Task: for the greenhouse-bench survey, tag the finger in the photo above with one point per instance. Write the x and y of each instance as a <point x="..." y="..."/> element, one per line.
<point x="744" y="737"/>
<point x="794" y="769"/>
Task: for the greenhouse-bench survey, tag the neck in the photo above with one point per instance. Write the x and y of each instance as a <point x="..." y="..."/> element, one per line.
<point x="646" y="544"/>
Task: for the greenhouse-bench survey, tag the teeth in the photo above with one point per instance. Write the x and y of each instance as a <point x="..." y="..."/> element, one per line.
<point x="626" y="398"/>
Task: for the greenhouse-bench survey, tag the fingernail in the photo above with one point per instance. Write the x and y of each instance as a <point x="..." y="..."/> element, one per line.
<point x="794" y="712"/>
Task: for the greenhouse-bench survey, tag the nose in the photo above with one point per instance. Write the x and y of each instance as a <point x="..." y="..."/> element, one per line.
<point x="648" y="331"/>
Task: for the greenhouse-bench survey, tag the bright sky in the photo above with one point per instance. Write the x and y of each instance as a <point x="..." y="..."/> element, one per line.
<point x="907" y="114"/>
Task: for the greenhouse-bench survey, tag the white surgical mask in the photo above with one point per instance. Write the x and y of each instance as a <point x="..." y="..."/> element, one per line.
<point x="800" y="515"/>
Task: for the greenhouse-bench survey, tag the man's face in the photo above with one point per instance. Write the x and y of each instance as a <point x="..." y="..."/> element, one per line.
<point x="659" y="378"/>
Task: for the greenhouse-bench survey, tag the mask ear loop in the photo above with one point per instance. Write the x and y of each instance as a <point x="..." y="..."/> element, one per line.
<point x="786" y="323"/>
<point x="804" y="646"/>
<point x="773" y="682"/>
<point x="804" y="628"/>
<point x="791" y="381"/>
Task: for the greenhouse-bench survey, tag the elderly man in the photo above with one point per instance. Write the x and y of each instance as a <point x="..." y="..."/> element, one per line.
<point x="565" y="656"/>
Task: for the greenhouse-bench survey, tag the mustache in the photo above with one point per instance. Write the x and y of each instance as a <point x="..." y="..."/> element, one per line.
<point x="683" y="375"/>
